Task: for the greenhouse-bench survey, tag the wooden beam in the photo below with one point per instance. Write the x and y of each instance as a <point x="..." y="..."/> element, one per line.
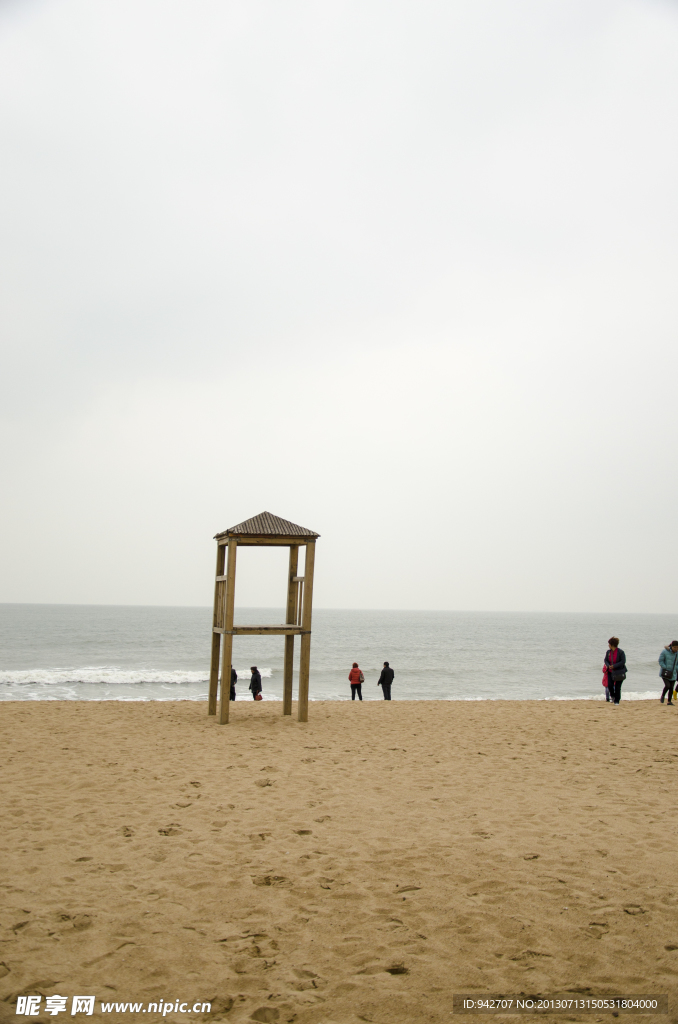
<point x="290" y="629"/>
<point x="216" y="639"/>
<point x="280" y="542"/>
<point x="227" y="643"/>
<point x="305" y="657"/>
<point x="285" y="629"/>
<point x="288" y="672"/>
<point x="214" y="674"/>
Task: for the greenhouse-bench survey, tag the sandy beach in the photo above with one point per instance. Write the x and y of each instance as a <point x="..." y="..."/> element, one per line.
<point x="362" y="867"/>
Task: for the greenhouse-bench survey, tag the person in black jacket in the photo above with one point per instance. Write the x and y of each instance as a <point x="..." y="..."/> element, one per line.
<point x="255" y="682"/>
<point x="615" y="660"/>
<point x="234" y="680"/>
<point x="385" y="680"/>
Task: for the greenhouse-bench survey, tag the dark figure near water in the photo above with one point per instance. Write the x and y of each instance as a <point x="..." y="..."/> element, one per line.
<point x="615" y="660"/>
<point x="668" y="669"/>
<point x="234" y="680"/>
<point x="255" y="682"/>
<point x="385" y="680"/>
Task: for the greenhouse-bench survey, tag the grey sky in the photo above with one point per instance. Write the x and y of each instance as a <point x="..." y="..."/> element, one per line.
<point x="404" y="273"/>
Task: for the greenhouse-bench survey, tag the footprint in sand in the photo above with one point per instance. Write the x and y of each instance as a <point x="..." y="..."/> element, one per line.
<point x="529" y="954"/>
<point x="266" y="1014"/>
<point x="218" y="1006"/>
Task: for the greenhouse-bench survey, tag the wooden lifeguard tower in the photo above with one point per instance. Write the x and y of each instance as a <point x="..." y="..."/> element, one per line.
<point x="264" y="529"/>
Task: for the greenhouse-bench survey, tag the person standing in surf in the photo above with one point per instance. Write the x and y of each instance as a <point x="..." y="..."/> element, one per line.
<point x="615" y="660"/>
<point x="356" y="679"/>
<point x="255" y="683"/>
<point x="385" y="680"/>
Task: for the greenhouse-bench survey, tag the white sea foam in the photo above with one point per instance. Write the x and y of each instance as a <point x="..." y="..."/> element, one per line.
<point x="111" y="683"/>
<point x="630" y="695"/>
<point x="106" y="682"/>
<point x="164" y="690"/>
<point x="109" y="676"/>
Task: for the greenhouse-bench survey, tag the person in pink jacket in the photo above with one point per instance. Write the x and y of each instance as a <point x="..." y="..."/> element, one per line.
<point x="356" y="679"/>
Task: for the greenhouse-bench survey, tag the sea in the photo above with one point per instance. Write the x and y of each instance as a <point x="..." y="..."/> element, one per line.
<point x="99" y="652"/>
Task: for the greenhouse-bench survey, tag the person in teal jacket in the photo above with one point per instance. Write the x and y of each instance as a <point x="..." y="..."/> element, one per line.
<point x="668" y="669"/>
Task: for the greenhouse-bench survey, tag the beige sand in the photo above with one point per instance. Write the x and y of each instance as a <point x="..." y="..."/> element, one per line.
<point x="280" y="870"/>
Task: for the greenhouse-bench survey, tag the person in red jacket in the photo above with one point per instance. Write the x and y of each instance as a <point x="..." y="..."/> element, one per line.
<point x="356" y="679"/>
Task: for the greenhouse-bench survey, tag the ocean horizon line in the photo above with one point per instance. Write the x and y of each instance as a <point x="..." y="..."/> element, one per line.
<point x="318" y="608"/>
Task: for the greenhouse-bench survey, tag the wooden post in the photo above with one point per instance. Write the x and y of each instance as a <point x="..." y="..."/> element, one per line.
<point x="216" y="637"/>
<point x="289" y="640"/>
<point x="227" y="646"/>
<point x="305" y="659"/>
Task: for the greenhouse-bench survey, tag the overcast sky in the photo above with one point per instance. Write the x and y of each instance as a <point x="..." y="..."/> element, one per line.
<point x="405" y="273"/>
